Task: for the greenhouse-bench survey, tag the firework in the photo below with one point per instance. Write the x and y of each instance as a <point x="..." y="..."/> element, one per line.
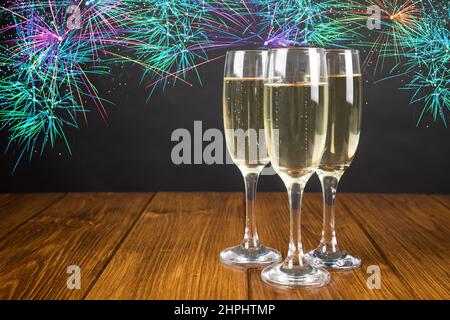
<point x="335" y="24"/>
<point x="233" y="24"/>
<point x="429" y="43"/>
<point x="419" y="47"/>
<point x="270" y="23"/>
<point x="399" y="19"/>
<point x="34" y="117"/>
<point x="104" y="23"/>
<point x="432" y="91"/>
<point x="414" y="38"/>
<point x="166" y="38"/>
<point x="50" y="50"/>
<point x="171" y="38"/>
<point x="427" y="56"/>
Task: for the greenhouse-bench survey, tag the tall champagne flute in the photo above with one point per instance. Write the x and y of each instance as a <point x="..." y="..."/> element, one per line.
<point x="243" y="88"/>
<point x="295" y="115"/>
<point x="344" y="126"/>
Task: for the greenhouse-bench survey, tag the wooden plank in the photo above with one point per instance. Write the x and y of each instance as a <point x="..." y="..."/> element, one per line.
<point x="344" y="285"/>
<point x="413" y="232"/>
<point x="23" y="207"/>
<point x="173" y="251"/>
<point x="424" y="207"/>
<point x="170" y="251"/>
<point x="443" y="198"/>
<point x="6" y="197"/>
<point x="81" y="229"/>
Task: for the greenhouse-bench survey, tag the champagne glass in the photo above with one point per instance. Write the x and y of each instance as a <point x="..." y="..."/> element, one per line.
<point x="244" y="133"/>
<point x="344" y="126"/>
<point x="295" y="115"/>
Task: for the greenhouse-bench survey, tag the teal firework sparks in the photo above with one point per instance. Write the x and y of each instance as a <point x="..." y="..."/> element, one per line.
<point x="398" y="19"/>
<point x="428" y="63"/>
<point x="35" y="116"/>
<point x="51" y="50"/>
<point x="167" y="38"/>
<point x="326" y="23"/>
<point x="104" y="23"/>
<point x="422" y="52"/>
<point x="270" y="23"/>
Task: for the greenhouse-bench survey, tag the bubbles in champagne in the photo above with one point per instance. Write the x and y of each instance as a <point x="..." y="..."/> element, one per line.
<point x="296" y="121"/>
<point x="244" y="121"/>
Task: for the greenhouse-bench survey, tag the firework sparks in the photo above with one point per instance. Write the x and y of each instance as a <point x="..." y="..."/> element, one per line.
<point x="47" y="58"/>
<point x="51" y="49"/>
<point x="399" y="18"/>
<point x="427" y="58"/>
<point x="34" y="117"/>
<point x="270" y="23"/>
<point x="166" y="37"/>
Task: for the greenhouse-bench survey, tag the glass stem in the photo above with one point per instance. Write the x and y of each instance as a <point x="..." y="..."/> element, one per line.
<point x="294" y="258"/>
<point x="328" y="243"/>
<point x="251" y="239"/>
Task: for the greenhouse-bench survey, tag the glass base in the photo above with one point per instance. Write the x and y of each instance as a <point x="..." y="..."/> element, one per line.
<point x="333" y="260"/>
<point x="252" y="257"/>
<point x="297" y="277"/>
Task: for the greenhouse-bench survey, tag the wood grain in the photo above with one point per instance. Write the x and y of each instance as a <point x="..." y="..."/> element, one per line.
<point x="81" y="229"/>
<point x="173" y="251"/>
<point x="23" y="207"/>
<point x="166" y="246"/>
<point x="344" y="285"/>
<point x="412" y="232"/>
<point x="7" y="197"/>
<point x="444" y="199"/>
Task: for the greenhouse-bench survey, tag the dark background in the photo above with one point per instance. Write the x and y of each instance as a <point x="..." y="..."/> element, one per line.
<point x="132" y="151"/>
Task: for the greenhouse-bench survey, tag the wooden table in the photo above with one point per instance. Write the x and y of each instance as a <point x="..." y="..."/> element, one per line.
<point x="166" y="245"/>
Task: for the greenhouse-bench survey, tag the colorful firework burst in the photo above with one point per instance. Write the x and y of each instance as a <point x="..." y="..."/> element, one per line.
<point x="398" y="18"/>
<point x="49" y="55"/>
<point x="166" y="38"/>
<point x="50" y="50"/>
<point x="429" y="43"/>
<point x="35" y="116"/>
<point x="270" y="23"/>
<point x="432" y="91"/>
<point x="419" y="46"/>
<point x="427" y="58"/>
<point x="233" y="24"/>
<point x="104" y="22"/>
<point x="414" y="38"/>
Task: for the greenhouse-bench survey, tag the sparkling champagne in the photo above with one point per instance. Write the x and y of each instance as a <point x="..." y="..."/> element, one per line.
<point x="345" y="99"/>
<point x="296" y="123"/>
<point x="244" y="122"/>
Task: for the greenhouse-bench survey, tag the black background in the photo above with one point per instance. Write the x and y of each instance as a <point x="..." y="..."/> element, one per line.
<point x="132" y="150"/>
